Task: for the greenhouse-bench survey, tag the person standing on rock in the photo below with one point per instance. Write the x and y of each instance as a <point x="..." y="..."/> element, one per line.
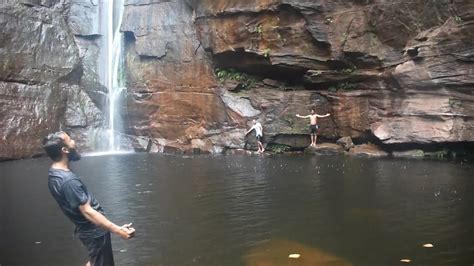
<point x="78" y="204"/>
<point x="258" y="134"/>
<point x="313" y="127"/>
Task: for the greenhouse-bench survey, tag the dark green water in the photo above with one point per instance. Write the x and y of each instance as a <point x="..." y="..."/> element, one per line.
<point x="248" y="210"/>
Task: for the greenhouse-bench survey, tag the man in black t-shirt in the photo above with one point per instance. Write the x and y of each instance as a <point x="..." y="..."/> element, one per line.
<point x="78" y="204"/>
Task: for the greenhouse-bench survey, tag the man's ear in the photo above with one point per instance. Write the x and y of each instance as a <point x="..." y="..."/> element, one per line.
<point x="65" y="149"/>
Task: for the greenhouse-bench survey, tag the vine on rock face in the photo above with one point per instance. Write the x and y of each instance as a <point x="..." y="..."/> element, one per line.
<point x="345" y="86"/>
<point x="279" y="148"/>
<point x="224" y="74"/>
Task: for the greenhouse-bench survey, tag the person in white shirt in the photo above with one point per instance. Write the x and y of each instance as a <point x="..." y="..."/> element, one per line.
<point x="258" y="134"/>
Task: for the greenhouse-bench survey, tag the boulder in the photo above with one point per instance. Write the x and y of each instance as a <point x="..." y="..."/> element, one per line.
<point x="27" y="114"/>
<point x="408" y="154"/>
<point x="368" y="150"/>
<point x="346" y="143"/>
<point x="324" y="149"/>
<point x="36" y="46"/>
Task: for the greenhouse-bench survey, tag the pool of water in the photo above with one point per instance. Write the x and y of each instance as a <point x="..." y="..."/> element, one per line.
<point x="249" y="210"/>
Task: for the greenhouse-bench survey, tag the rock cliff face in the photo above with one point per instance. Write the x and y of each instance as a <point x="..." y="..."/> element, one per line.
<point x="199" y="71"/>
<point x="43" y="78"/>
<point x="397" y="71"/>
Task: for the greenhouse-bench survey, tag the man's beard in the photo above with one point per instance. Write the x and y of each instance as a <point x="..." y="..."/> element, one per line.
<point x="73" y="155"/>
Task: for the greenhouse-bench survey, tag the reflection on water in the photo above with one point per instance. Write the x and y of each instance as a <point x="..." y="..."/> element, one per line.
<point x="278" y="252"/>
<point x="249" y="210"/>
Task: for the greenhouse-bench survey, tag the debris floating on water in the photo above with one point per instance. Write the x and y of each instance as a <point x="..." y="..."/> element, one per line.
<point x="38" y="242"/>
<point x="405" y="260"/>
<point x="123" y="250"/>
<point x="428" y="245"/>
<point x="294" y="256"/>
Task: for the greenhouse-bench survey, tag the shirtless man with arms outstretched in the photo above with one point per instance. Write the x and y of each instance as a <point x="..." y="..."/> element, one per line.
<point x="313" y="128"/>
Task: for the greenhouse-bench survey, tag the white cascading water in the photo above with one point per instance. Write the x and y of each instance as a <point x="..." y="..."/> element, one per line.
<point x="114" y="79"/>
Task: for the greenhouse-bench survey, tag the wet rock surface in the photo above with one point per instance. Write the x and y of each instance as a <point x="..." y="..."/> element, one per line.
<point x="41" y="79"/>
<point x="198" y="72"/>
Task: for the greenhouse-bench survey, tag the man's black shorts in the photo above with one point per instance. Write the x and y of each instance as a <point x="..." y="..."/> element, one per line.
<point x="313" y="129"/>
<point x="259" y="138"/>
<point x="100" y="250"/>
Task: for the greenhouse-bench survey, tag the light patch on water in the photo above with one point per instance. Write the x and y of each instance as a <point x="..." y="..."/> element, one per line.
<point x="275" y="252"/>
<point x="105" y="153"/>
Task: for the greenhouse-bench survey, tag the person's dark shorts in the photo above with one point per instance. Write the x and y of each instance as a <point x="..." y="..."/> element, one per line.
<point x="100" y="250"/>
<point x="313" y="129"/>
<point x="259" y="138"/>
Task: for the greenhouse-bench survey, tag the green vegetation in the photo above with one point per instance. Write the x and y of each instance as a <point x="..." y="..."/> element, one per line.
<point x="224" y="74"/>
<point x="279" y="148"/>
<point x="442" y="154"/>
<point x="345" y="86"/>
<point x="348" y="70"/>
<point x="454" y="103"/>
<point x="266" y="53"/>
<point x="344" y="37"/>
<point x="458" y="19"/>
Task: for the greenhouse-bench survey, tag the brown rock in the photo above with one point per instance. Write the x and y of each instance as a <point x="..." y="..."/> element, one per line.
<point x="346" y="143"/>
<point x="409" y="154"/>
<point x="27" y="114"/>
<point x="368" y="150"/>
<point x="324" y="149"/>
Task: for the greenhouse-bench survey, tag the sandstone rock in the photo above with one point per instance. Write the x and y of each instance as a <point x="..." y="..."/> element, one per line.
<point x="36" y="46"/>
<point x="278" y="38"/>
<point x="324" y="149"/>
<point x="167" y="65"/>
<point x="27" y="114"/>
<point x="408" y="154"/>
<point x="172" y="150"/>
<point x="346" y="143"/>
<point x="346" y="75"/>
<point x="294" y="141"/>
<point x="271" y="82"/>
<point x="84" y="17"/>
<point x="241" y="106"/>
<point x="83" y="120"/>
<point x="407" y="69"/>
<point x="238" y="152"/>
<point x="368" y="150"/>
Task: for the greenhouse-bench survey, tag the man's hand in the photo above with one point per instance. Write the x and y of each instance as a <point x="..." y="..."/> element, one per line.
<point x="126" y="231"/>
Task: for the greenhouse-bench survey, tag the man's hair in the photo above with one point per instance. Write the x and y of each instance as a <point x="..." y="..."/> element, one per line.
<point x="53" y="143"/>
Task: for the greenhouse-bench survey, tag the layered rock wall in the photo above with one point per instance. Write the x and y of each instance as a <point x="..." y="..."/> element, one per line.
<point x="396" y="71"/>
<point x="42" y="83"/>
<point x="198" y="72"/>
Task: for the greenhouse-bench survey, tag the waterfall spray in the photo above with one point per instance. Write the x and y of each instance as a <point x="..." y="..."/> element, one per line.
<point x="114" y="80"/>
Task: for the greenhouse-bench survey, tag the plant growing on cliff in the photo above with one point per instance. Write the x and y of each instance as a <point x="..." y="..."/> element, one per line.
<point x="266" y="53"/>
<point x="348" y="70"/>
<point x="458" y="19"/>
<point x="279" y="148"/>
<point x="454" y="103"/>
<point x="232" y="74"/>
<point x="345" y="86"/>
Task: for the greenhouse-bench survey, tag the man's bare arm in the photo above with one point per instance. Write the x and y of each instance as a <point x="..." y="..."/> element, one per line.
<point x="326" y="115"/>
<point x="97" y="218"/>
<point x="303" y="116"/>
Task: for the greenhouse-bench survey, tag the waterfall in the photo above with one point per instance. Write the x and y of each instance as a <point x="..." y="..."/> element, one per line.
<point x="111" y="71"/>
